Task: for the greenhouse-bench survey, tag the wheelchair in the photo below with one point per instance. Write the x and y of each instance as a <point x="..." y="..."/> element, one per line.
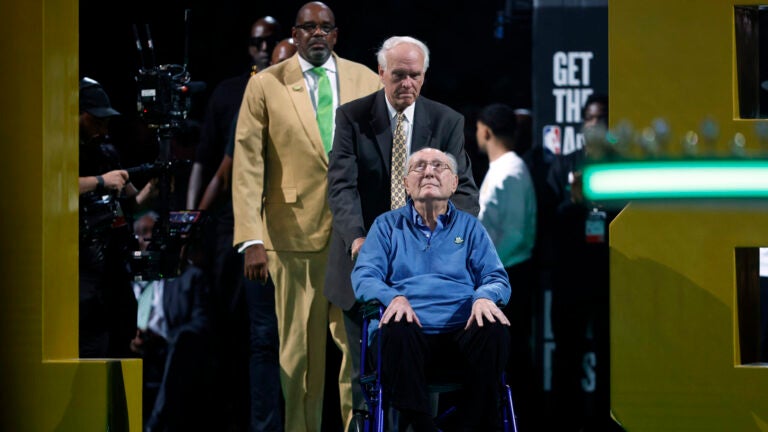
<point x="370" y="381"/>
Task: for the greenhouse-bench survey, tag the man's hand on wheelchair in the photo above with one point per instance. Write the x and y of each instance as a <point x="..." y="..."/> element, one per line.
<point x="484" y="308"/>
<point x="357" y="244"/>
<point x="399" y="307"/>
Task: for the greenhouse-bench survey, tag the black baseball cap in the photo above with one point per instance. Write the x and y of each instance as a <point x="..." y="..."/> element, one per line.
<point x="94" y="100"/>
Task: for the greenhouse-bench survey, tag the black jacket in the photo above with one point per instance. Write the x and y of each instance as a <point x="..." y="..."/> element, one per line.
<point x="359" y="174"/>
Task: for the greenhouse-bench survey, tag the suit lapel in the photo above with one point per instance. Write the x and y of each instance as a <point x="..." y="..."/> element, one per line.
<point x="346" y="89"/>
<point x="422" y="128"/>
<point x="382" y="128"/>
<point x="296" y="87"/>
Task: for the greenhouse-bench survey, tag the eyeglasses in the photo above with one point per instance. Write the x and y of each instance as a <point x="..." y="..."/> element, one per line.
<point x="420" y="167"/>
<point x="312" y="27"/>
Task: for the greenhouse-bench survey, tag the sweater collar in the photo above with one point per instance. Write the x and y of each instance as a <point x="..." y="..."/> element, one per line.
<point x="417" y="220"/>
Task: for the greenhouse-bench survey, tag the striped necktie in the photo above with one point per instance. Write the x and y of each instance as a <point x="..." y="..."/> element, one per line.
<point x="398" y="163"/>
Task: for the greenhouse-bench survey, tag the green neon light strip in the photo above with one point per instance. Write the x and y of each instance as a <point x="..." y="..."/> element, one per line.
<point x="676" y="179"/>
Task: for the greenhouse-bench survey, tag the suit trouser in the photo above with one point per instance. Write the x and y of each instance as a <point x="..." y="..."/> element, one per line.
<point x="353" y="323"/>
<point x="303" y="315"/>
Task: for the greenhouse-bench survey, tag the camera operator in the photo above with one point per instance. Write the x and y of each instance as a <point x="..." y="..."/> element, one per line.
<point x="106" y="303"/>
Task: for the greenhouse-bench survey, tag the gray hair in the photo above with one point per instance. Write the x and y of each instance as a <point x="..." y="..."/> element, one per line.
<point x="394" y="41"/>
<point x="451" y="161"/>
<point x="150" y="214"/>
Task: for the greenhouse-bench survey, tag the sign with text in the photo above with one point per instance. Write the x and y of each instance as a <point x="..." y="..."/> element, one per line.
<point x="570" y="63"/>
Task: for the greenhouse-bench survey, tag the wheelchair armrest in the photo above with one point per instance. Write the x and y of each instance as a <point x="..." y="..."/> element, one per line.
<point x="371" y="310"/>
<point x="368" y="378"/>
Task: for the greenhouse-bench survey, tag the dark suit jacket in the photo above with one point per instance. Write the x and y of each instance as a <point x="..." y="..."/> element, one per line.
<point x="359" y="174"/>
<point x="184" y="303"/>
<point x="186" y="369"/>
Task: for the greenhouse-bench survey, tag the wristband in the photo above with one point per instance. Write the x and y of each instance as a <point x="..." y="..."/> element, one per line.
<point x="99" y="182"/>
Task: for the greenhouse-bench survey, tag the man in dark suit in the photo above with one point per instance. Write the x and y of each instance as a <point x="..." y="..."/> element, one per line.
<point x="173" y="337"/>
<point x="366" y="164"/>
<point x="178" y="365"/>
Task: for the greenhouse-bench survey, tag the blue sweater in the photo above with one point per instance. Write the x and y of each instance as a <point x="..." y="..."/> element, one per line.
<point x="440" y="275"/>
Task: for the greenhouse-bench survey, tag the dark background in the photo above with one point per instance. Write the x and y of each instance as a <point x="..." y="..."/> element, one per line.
<point x="469" y="66"/>
<point x="474" y="61"/>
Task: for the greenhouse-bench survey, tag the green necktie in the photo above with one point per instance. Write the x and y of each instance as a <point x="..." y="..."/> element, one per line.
<point x="324" y="107"/>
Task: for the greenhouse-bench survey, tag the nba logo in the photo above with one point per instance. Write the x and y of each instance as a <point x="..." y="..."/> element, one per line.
<point x="552" y="139"/>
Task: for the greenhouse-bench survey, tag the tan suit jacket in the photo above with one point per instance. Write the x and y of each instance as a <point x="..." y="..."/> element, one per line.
<point x="279" y="187"/>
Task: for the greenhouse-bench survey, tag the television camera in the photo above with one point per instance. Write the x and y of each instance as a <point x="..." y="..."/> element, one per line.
<point x="164" y="90"/>
<point x="163" y="101"/>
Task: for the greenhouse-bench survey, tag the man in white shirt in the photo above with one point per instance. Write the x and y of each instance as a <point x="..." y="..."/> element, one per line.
<point x="508" y="213"/>
<point x="507" y="198"/>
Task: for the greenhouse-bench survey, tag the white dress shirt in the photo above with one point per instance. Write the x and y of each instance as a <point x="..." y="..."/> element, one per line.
<point x="312" y="82"/>
<point x="407" y="122"/>
<point x="157" y="323"/>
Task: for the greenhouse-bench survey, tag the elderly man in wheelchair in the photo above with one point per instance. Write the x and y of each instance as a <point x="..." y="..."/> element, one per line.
<point x="437" y="273"/>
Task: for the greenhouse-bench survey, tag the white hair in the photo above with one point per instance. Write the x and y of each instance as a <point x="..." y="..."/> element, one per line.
<point x="451" y="161"/>
<point x="394" y="41"/>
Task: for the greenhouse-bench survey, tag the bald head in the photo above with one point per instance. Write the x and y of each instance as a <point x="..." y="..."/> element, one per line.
<point x="265" y="26"/>
<point x="265" y="33"/>
<point x="284" y="50"/>
<point x="314" y="7"/>
<point x="315" y="32"/>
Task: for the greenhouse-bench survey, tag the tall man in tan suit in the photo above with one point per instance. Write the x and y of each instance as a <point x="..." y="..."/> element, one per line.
<point x="282" y="220"/>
